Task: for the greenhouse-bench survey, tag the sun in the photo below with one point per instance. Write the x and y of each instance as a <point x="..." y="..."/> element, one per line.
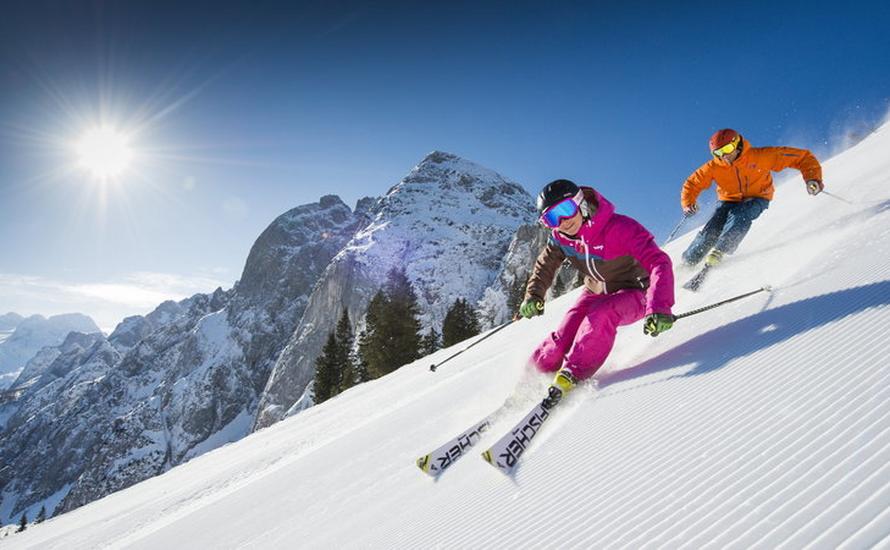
<point x="104" y="152"/>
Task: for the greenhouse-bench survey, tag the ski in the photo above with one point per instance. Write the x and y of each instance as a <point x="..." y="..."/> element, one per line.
<point x="505" y="453"/>
<point x="695" y="282"/>
<point x="439" y="460"/>
<point x="436" y="462"/>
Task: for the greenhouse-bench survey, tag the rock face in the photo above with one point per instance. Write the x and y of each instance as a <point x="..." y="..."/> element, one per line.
<point x="43" y="368"/>
<point x="448" y="223"/>
<point x="32" y="334"/>
<point x="46" y="432"/>
<point x="516" y="268"/>
<point x="101" y="414"/>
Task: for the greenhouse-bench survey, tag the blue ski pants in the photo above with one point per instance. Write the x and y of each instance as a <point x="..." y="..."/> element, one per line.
<point x="726" y="228"/>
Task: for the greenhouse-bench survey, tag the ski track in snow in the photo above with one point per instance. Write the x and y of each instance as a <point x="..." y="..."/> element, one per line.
<point x="762" y="424"/>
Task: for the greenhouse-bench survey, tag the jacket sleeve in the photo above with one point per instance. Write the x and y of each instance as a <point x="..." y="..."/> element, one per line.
<point x="546" y="265"/>
<point x="789" y="157"/>
<point x="700" y="180"/>
<point x="641" y="245"/>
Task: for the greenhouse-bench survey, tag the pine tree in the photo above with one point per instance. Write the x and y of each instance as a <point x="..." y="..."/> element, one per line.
<point x="337" y="368"/>
<point x="405" y="324"/>
<point x="516" y="295"/>
<point x="371" y="340"/>
<point x="559" y="284"/>
<point x="23" y="523"/>
<point x="460" y="323"/>
<point x="431" y="342"/>
<point x="327" y="372"/>
<point x="334" y="368"/>
<point x="579" y="280"/>
<point x="392" y="331"/>
<point x="344" y="357"/>
<point x="361" y="370"/>
<point x="41" y="515"/>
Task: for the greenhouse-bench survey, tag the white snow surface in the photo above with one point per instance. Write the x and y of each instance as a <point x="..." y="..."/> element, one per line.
<point x="762" y="424"/>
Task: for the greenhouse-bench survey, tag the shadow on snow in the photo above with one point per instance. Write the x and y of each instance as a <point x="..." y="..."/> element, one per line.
<point x="759" y="331"/>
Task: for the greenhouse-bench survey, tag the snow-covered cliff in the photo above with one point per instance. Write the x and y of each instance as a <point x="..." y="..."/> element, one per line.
<point x="23" y="338"/>
<point x="448" y="223"/>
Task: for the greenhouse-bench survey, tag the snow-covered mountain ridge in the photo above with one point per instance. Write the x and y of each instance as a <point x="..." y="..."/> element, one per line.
<point x="762" y="424"/>
<point x="21" y="338"/>
<point x="8" y="321"/>
<point x="448" y="223"/>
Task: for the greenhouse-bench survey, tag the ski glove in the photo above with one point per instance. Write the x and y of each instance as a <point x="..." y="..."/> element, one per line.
<point x="656" y="323"/>
<point x="691" y="210"/>
<point x="531" y="307"/>
<point x="814" y="187"/>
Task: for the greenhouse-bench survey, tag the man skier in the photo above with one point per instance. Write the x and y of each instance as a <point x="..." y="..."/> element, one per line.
<point x="744" y="189"/>
<point x="627" y="277"/>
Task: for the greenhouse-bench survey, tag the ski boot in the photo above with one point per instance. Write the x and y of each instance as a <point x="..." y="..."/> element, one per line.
<point x="562" y="384"/>
<point x="713" y="258"/>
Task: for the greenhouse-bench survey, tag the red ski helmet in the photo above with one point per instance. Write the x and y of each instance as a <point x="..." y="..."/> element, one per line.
<point x="722" y="137"/>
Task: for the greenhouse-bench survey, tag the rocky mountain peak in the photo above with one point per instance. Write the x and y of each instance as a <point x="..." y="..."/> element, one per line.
<point x="448" y="222"/>
<point x="330" y="201"/>
<point x="37" y="332"/>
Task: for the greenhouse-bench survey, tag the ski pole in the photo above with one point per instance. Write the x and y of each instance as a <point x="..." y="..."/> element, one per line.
<point x="674" y="232"/>
<point x="832" y="195"/>
<point x="434" y="366"/>
<point x="724" y="302"/>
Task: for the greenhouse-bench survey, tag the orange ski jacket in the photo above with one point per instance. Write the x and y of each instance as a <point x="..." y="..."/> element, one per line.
<point x="749" y="176"/>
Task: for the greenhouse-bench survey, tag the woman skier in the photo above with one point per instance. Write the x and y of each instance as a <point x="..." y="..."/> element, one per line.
<point x="626" y="276"/>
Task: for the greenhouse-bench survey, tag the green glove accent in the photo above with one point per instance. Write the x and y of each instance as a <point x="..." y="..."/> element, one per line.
<point x="531" y="307"/>
<point x="657" y="323"/>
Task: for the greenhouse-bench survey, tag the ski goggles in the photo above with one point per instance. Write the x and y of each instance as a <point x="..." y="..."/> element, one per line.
<point x="726" y="149"/>
<point x="566" y="208"/>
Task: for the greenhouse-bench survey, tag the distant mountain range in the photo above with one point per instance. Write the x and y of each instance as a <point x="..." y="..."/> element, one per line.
<point x="9" y="321"/>
<point x="21" y="338"/>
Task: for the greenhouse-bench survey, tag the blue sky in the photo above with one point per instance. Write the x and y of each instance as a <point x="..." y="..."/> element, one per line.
<point x="244" y="110"/>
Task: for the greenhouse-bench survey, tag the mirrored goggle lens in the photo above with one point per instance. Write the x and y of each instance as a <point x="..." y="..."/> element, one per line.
<point x="726" y="149"/>
<point x="558" y="212"/>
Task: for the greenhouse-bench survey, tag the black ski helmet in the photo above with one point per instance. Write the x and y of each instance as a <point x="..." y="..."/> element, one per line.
<point x="554" y="192"/>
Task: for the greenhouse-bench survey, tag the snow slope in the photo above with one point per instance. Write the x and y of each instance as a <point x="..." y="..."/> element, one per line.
<point x="764" y="423"/>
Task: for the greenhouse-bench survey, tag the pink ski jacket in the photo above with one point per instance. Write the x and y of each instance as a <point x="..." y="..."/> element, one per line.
<point x="613" y="252"/>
